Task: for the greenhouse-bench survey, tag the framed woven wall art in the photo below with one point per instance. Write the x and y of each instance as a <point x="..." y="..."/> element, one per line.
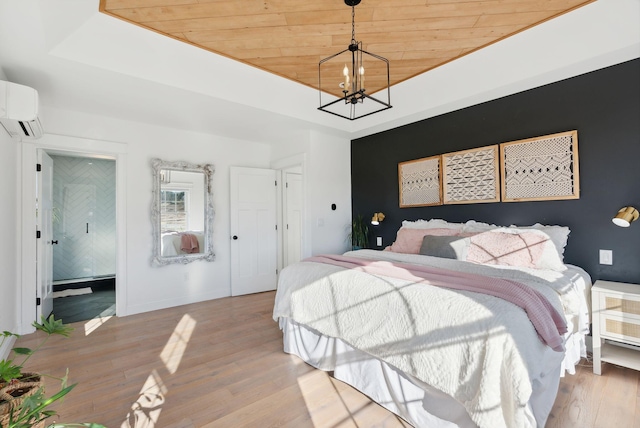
<point x="471" y="176"/>
<point x="420" y="182"/>
<point x="541" y="168"/>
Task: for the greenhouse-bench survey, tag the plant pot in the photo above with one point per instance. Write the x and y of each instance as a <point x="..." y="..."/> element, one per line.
<point x="12" y="394"/>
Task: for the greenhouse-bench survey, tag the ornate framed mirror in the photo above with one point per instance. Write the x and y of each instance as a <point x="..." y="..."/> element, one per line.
<point x="181" y="212"/>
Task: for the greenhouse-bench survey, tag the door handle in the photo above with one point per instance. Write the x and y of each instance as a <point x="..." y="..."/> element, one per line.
<point x="54" y="242"/>
<point x="235" y="237"/>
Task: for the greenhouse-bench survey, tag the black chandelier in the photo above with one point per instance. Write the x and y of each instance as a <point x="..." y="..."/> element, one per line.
<point x="345" y="85"/>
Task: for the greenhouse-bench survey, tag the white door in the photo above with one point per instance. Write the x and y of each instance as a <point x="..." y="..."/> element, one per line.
<point x="44" y="245"/>
<point x="254" y="241"/>
<point x="293" y="218"/>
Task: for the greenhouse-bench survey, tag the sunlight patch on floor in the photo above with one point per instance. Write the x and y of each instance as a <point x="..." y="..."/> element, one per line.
<point x="94" y="323"/>
<point x="145" y="412"/>
<point x="332" y="403"/>
<point x="324" y="403"/>
<point x="296" y="360"/>
<point x="173" y="351"/>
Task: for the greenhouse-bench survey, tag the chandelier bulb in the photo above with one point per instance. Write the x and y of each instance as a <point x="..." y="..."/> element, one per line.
<point x="345" y="72"/>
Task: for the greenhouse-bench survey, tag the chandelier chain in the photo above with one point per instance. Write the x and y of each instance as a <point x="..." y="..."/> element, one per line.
<point x="353" y="24"/>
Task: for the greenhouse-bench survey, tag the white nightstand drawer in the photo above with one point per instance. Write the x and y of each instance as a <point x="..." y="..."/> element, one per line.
<point x="621" y="329"/>
<point x="629" y="306"/>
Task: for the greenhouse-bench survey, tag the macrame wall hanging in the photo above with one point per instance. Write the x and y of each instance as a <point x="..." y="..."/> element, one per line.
<point x="471" y="176"/>
<point x="420" y="182"/>
<point x="541" y="168"/>
<point x="535" y="169"/>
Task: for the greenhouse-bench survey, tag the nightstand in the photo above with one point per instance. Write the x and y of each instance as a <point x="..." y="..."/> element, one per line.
<point x="615" y="317"/>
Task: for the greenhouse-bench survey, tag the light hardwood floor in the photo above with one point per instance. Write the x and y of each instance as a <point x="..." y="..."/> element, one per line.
<point x="220" y="364"/>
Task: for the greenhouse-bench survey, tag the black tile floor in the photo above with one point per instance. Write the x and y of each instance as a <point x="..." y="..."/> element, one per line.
<point x="101" y="302"/>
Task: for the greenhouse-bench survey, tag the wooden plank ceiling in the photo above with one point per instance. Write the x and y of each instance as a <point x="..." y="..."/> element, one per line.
<point x="290" y="37"/>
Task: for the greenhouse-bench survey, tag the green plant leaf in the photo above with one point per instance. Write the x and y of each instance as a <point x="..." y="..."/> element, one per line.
<point x="53" y="326"/>
<point x="23" y="351"/>
<point x="359" y="235"/>
<point x="8" y="370"/>
<point x="34" y="408"/>
<point x="32" y="402"/>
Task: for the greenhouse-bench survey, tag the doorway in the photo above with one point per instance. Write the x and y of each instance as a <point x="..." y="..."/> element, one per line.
<point x="292" y="220"/>
<point x="293" y="226"/>
<point x="84" y="237"/>
<point x="28" y="220"/>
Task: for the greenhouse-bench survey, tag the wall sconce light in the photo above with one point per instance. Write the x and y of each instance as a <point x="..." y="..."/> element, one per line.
<point x="377" y="218"/>
<point x="625" y="217"/>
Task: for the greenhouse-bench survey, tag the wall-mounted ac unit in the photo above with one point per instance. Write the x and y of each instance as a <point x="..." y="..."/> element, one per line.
<point x="19" y="110"/>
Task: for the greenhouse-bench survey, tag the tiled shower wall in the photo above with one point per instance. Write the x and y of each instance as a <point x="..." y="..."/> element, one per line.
<point x="84" y="217"/>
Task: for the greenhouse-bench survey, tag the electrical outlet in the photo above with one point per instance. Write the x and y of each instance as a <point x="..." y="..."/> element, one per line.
<point x="379" y="241"/>
<point x="606" y="257"/>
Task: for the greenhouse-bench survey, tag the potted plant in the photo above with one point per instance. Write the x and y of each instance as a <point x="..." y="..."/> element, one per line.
<point x="359" y="235"/>
<point x="23" y="402"/>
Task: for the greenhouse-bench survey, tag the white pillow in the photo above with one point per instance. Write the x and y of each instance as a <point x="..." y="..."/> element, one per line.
<point x="473" y="226"/>
<point x="558" y="234"/>
<point x="435" y="223"/>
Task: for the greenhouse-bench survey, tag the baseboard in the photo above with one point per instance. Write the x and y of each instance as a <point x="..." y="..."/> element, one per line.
<point x="170" y="303"/>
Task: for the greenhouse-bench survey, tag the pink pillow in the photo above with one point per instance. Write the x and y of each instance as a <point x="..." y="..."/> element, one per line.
<point x="409" y="240"/>
<point x="530" y="249"/>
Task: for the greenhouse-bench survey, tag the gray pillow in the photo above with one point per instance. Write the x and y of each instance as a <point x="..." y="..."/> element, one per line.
<point x="447" y="247"/>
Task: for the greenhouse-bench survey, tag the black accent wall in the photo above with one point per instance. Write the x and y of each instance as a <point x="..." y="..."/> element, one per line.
<point x="603" y="106"/>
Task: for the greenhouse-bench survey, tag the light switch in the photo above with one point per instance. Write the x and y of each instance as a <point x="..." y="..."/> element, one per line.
<point x="606" y="257"/>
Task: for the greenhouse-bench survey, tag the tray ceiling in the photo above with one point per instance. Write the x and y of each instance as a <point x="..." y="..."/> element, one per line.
<point x="289" y="37"/>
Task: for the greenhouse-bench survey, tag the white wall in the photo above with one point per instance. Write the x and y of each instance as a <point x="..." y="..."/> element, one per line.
<point x="147" y="287"/>
<point x="329" y="182"/>
<point x="8" y="225"/>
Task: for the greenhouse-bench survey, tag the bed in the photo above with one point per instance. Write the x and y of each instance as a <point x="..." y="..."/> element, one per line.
<point x="175" y="243"/>
<point x="383" y="322"/>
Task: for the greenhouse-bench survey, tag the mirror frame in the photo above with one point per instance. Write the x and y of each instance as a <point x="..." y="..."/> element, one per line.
<point x="207" y="254"/>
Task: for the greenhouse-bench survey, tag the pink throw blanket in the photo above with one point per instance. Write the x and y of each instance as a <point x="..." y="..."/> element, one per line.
<point x="189" y="243"/>
<point x="548" y="322"/>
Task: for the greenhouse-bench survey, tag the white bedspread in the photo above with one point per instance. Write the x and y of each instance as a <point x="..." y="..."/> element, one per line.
<point x="481" y="350"/>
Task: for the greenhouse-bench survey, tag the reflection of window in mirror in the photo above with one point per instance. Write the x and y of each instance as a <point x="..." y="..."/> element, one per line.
<point x="174" y="210"/>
